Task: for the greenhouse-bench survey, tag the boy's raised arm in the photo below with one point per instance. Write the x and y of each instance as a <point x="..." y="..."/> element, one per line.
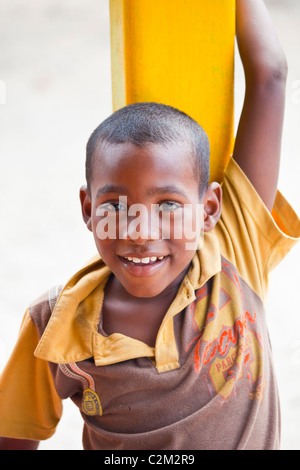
<point x="258" y="141"/>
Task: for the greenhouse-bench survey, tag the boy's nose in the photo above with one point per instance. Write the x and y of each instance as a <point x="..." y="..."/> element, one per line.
<point x="142" y="227"/>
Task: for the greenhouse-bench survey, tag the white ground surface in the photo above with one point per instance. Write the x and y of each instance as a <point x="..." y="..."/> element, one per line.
<point x="55" y="66"/>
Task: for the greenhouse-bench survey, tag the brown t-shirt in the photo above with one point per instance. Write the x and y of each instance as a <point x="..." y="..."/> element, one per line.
<point x="209" y="381"/>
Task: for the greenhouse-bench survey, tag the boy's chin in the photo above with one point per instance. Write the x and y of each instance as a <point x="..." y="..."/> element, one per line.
<point x="144" y="291"/>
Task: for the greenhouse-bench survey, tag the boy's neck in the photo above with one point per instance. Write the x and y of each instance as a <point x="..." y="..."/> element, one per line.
<point x="137" y="317"/>
<point x="170" y="291"/>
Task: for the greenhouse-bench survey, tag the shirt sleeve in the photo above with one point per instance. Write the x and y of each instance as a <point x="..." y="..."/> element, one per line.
<point x="30" y="407"/>
<point x="251" y="237"/>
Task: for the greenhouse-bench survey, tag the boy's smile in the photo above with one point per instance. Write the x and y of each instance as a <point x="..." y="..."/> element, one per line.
<point x="145" y="262"/>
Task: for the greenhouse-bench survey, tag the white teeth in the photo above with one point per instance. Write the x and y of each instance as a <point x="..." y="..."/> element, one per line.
<point x="144" y="260"/>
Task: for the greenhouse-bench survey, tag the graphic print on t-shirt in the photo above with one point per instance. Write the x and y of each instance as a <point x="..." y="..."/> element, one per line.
<point x="90" y="404"/>
<point x="228" y="345"/>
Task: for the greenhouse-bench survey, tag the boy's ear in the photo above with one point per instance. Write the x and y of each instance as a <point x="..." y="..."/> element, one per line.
<point x="212" y="201"/>
<point x="86" y="206"/>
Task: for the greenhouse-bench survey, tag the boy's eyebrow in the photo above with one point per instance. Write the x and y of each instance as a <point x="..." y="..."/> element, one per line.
<point x="111" y="188"/>
<point x="166" y="189"/>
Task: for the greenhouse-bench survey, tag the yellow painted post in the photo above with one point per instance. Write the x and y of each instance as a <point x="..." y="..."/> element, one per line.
<point x="180" y="53"/>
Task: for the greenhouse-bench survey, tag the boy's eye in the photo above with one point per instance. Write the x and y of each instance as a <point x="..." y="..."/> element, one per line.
<point x="112" y="207"/>
<point x="168" y="206"/>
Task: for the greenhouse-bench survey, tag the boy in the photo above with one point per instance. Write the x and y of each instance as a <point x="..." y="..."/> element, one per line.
<point x="160" y="346"/>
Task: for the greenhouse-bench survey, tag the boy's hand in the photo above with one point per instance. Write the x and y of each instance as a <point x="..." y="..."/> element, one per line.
<point x="258" y="141"/>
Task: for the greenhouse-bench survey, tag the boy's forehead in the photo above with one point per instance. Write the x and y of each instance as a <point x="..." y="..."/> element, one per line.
<point x="161" y="155"/>
<point x="149" y="166"/>
<point x="144" y="172"/>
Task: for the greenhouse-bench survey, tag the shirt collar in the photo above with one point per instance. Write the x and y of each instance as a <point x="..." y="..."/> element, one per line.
<point x="71" y="334"/>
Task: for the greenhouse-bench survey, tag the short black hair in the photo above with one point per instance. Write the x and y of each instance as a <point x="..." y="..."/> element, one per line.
<point x="146" y="123"/>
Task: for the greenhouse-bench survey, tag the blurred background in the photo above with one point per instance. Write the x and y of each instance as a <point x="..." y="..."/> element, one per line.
<point x="55" y="88"/>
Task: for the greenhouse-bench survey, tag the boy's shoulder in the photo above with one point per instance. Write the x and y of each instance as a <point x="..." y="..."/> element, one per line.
<point x="251" y="237"/>
<point x="41" y="308"/>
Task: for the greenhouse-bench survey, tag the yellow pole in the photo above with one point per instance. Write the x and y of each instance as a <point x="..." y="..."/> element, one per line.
<point x="180" y="53"/>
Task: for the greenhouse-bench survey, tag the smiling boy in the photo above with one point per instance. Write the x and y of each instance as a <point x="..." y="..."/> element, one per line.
<point x="162" y="347"/>
<point x="144" y="286"/>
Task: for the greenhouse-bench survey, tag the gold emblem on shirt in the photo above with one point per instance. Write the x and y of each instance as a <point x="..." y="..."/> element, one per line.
<point x="91" y="404"/>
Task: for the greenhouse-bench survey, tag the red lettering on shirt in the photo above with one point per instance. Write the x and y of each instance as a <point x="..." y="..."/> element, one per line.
<point x="228" y="337"/>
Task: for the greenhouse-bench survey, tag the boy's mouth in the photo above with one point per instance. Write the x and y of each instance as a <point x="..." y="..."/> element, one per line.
<point x="143" y="261"/>
<point x="143" y="266"/>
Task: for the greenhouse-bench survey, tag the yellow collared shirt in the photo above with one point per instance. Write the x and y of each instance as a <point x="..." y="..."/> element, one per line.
<point x="211" y="360"/>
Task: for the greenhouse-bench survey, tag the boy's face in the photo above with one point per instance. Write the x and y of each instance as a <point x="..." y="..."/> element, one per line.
<point x="144" y="254"/>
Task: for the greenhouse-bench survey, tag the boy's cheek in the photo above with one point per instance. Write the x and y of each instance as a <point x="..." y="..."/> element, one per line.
<point x="104" y="249"/>
<point x="190" y="229"/>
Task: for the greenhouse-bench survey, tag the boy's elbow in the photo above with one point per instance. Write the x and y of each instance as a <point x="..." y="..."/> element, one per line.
<point x="279" y="70"/>
<point x="269" y="74"/>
